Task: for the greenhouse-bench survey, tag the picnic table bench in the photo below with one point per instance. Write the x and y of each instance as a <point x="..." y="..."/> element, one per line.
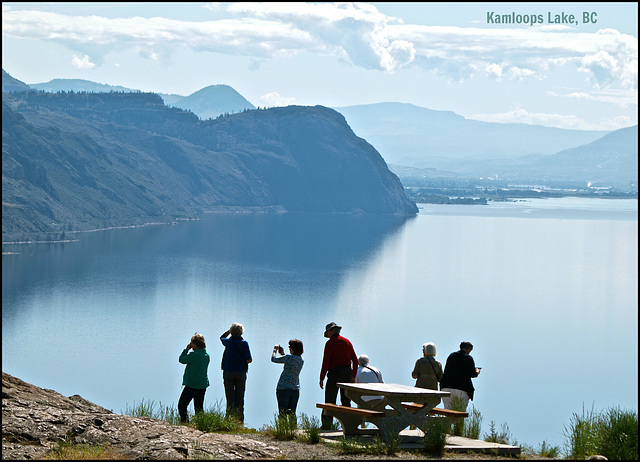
<point x="350" y="417"/>
<point x="408" y="406"/>
<point x="454" y="415"/>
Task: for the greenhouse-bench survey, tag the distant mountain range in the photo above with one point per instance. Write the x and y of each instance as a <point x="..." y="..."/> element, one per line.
<point x="77" y="85"/>
<point x="420" y="142"/>
<point x="611" y="161"/>
<point x="443" y="144"/>
<point x="78" y="161"/>
<point x="210" y="102"/>
<point x="207" y="103"/>
<point x="419" y="137"/>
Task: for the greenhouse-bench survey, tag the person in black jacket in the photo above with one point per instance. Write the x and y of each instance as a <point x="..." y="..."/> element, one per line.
<point x="458" y="372"/>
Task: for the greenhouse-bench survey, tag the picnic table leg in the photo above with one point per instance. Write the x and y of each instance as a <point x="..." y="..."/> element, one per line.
<point x="349" y="423"/>
<point x="391" y="426"/>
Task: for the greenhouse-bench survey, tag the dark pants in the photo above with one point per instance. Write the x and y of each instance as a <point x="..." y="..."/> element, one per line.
<point x="188" y="394"/>
<point x="335" y="375"/>
<point x="234" y="385"/>
<point x="287" y="401"/>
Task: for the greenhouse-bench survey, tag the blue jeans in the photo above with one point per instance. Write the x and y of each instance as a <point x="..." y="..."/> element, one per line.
<point x="287" y="400"/>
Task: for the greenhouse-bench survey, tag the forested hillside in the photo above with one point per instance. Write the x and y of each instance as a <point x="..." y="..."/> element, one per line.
<point x="74" y="161"/>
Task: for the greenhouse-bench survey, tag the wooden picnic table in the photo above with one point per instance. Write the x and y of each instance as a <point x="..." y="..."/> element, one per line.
<point x="418" y="402"/>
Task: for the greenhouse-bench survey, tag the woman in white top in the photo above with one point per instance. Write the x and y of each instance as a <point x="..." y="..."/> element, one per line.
<point x="368" y="374"/>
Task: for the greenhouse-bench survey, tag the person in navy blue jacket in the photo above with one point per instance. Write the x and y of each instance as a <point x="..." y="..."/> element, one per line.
<point x="235" y="364"/>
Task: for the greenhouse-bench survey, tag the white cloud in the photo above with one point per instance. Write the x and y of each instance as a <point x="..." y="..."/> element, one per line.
<point x="621" y="98"/>
<point x="617" y="62"/>
<point x="252" y="37"/>
<point x="498" y="71"/>
<point x="274" y="99"/>
<point x="148" y="53"/>
<point x="494" y="70"/>
<point x="82" y="63"/>
<point x="520" y="115"/>
<point x="518" y="73"/>
<point x="353" y="32"/>
<point x="608" y="56"/>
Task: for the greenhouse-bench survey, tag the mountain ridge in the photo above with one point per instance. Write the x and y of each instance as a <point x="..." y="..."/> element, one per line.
<point x="611" y="160"/>
<point x="210" y="102"/>
<point x="398" y="130"/>
<point x="443" y="144"/>
<point x="73" y="162"/>
<point x="437" y="139"/>
<point x="11" y="84"/>
<point x="207" y="103"/>
<point x="607" y="160"/>
<point x="78" y="85"/>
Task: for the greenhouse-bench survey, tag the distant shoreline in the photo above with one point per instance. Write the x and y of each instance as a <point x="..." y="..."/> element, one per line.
<point x="426" y="195"/>
<point x="93" y="230"/>
<point x="249" y="210"/>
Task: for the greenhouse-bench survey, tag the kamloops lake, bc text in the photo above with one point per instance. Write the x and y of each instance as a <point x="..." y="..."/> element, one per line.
<point x="588" y="17"/>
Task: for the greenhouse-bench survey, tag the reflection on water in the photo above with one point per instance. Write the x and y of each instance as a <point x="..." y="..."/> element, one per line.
<point x="105" y="317"/>
<point x="542" y="298"/>
<point x="294" y="243"/>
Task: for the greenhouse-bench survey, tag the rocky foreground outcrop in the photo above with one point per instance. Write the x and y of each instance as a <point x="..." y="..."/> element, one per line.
<point x="35" y="420"/>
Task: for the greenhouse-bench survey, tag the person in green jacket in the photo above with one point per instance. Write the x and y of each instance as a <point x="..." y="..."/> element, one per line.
<point x="195" y="378"/>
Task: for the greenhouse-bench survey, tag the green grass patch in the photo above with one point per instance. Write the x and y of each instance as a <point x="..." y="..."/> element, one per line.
<point x="457" y="404"/>
<point x="311" y="428"/>
<point x="503" y="436"/>
<point x="283" y="427"/>
<point x="473" y="424"/>
<point x="67" y="449"/>
<point x="612" y="433"/>
<point x="435" y="437"/>
<point x="543" y="450"/>
<point x="215" y="420"/>
<point x="150" y="409"/>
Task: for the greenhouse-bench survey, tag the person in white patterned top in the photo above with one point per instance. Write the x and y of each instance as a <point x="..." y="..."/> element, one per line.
<point x="288" y="388"/>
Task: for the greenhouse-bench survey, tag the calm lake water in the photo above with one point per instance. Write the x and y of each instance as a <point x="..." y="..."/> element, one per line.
<point x="546" y="290"/>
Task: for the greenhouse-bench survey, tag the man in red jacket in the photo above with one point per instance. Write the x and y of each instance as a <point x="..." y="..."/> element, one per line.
<point x="339" y="364"/>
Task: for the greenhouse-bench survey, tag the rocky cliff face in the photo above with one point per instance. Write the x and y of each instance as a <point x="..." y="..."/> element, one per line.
<point x="72" y="162"/>
<point x="35" y="420"/>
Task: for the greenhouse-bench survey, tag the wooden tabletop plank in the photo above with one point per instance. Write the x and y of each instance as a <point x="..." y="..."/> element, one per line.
<point x="390" y="389"/>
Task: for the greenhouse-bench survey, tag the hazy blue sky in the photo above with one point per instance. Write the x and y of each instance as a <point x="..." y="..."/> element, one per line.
<point x="463" y="57"/>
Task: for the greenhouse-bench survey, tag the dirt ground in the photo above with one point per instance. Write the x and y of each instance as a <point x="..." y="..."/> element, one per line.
<point x="298" y="450"/>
